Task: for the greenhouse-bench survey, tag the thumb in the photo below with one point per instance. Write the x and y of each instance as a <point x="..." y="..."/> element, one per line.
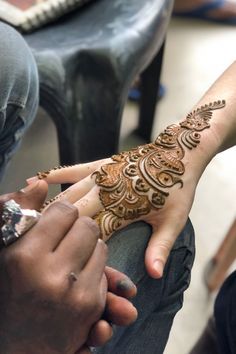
<point x="158" y="250"/>
<point x="30" y="197"/>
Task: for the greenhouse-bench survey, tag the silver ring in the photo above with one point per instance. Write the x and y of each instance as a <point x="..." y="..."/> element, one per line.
<point x="16" y="221"/>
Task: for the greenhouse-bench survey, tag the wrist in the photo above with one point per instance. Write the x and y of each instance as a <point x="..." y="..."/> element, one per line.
<point x="196" y="160"/>
<point x="189" y="145"/>
<point x="220" y="136"/>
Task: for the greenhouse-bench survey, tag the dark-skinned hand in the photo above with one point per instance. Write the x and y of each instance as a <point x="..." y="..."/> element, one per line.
<point x="98" y="331"/>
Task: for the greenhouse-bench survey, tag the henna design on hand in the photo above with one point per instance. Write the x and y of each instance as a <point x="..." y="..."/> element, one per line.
<point x="137" y="181"/>
<point x="44" y="174"/>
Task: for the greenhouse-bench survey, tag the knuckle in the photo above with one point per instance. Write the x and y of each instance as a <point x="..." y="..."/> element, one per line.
<point x="98" y="308"/>
<point x="91" y="225"/>
<point x="165" y="246"/>
<point x="84" y="301"/>
<point x="89" y="303"/>
<point x="52" y="287"/>
<point x="17" y="258"/>
<point x="65" y="208"/>
<point x="35" y="274"/>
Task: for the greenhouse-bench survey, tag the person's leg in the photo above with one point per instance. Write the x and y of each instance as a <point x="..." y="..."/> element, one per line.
<point x="207" y="343"/>
<point x="157" y="301"/>
<point x="222" y="11"/>
<point x="18" y="91"/>
<point x="225" y="316"/>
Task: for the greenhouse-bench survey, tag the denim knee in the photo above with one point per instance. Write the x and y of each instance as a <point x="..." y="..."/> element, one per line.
<point x="18" y="91"/>
<point x="157" y="300"/>
<point x="18" y="74"/>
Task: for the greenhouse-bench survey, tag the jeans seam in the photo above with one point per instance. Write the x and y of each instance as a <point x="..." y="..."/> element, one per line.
<point x="19" y="104"/>
<point x="172" y="251"/>
<point x="183" y="279"/>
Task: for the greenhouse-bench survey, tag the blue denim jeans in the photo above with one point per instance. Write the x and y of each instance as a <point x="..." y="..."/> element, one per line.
<point x="18" y="92"/>
<point x="219" y="335"/>
<point x="158" y="300"/>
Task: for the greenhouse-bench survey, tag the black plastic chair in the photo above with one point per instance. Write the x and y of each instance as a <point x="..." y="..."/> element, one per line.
<point x="87" y="62"/>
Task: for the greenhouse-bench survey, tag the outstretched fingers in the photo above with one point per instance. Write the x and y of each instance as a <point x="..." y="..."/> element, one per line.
<point x="74" y="192"/>
<point x="90" y="204"/>
<point x="68" y="174"/>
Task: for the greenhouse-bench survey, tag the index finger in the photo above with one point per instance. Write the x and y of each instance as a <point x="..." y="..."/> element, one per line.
<point x="79" y="244"/>
<point x="68" y="174"/>
<point x="51" y="228"/>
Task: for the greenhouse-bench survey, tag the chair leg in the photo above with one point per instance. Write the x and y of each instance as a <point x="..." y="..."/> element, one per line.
<point x="150" y="81"/>
<point x="89" y="130"/>
<point x="98" y="120"/>
<point x="90" y="139"/>
<point x="222" y="260"/>
<point x="57" y="108"/>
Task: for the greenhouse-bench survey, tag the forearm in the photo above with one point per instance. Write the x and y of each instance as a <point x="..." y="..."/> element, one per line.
<point x="221" y="133"/>
<point x="155" y="182"/>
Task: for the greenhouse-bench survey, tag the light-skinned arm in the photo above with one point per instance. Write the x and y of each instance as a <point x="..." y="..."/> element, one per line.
<point x="170" y="172"/>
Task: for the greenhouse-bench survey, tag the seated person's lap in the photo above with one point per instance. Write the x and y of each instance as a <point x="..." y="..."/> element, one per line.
<point x="157" y="301"/>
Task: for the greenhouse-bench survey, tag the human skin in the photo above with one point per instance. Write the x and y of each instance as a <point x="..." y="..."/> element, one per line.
<point x="227" y="10"/>
<point x="41" y="309"/>
<point x="167" y="221"/>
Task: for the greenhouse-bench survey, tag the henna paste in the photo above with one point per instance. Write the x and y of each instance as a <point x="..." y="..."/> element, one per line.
<point x="137" y="181"/>
<point x="44" y="174"/>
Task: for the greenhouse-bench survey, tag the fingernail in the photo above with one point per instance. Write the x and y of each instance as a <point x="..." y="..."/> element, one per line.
<point x="30" y="187"/>
<point x="32" y="179"/>
<point x="125" y="284"/>
<point x="158" y="266"/>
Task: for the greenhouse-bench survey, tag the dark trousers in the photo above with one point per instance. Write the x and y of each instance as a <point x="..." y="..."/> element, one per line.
<point x="225" y="316"/>
<point x="219" y="335"/>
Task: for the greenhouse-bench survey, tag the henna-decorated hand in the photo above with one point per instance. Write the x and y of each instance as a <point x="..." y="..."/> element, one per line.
<point x="155" y="183"/>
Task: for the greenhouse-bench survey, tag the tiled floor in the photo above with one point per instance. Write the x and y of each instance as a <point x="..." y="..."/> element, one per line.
<point x="196" y="54"/>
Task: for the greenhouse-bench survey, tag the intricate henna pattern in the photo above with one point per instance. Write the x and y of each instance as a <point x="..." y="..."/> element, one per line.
<point x="137" y="181"/>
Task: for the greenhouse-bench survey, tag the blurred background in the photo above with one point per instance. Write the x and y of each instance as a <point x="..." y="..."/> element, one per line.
<point x="196" y="54"/>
